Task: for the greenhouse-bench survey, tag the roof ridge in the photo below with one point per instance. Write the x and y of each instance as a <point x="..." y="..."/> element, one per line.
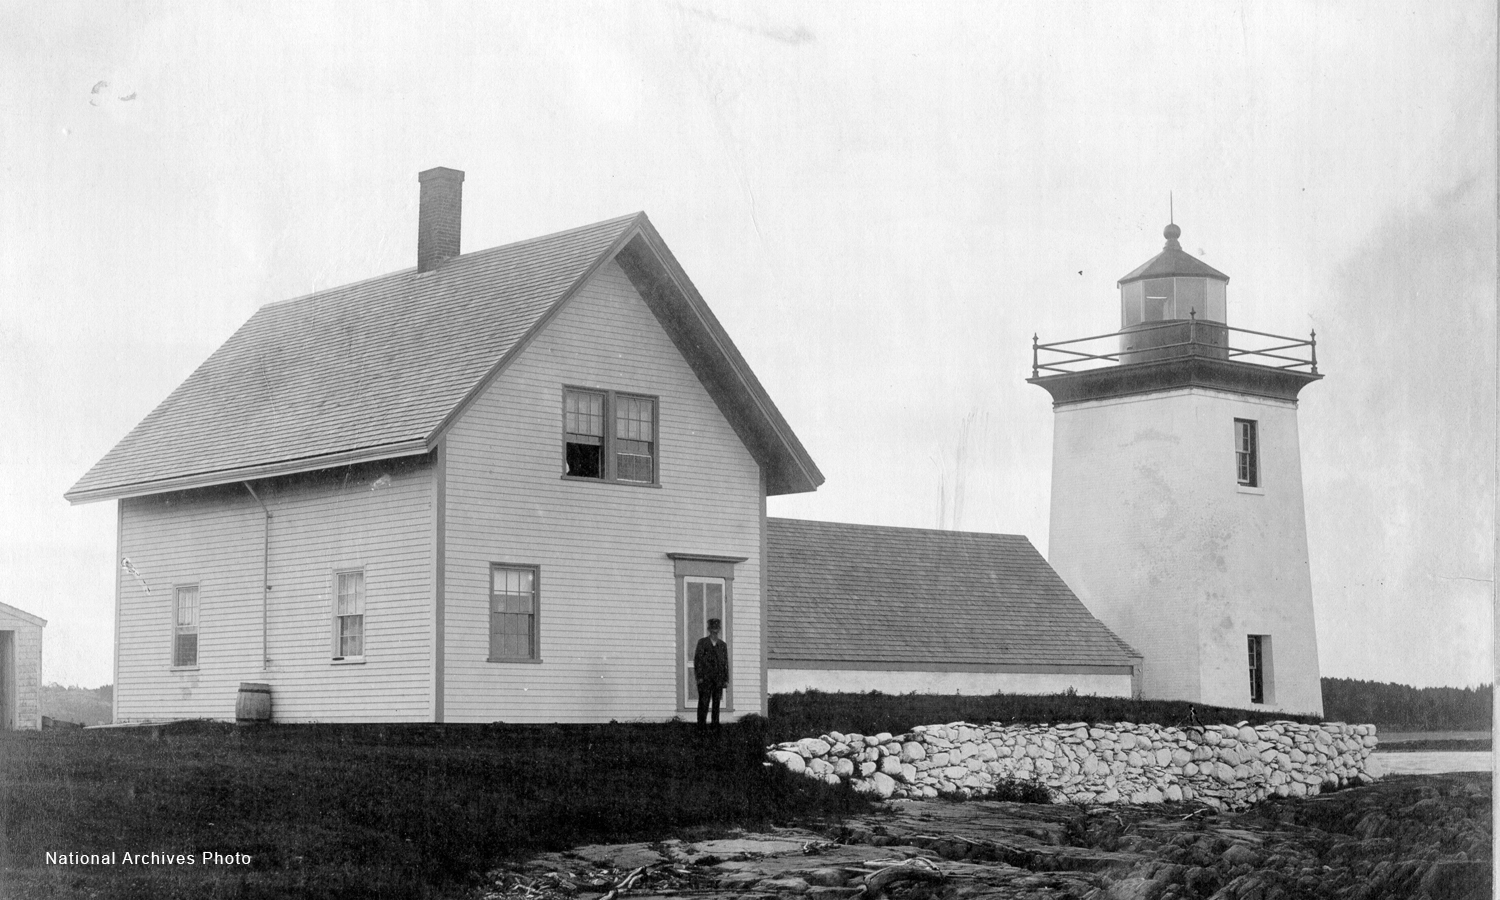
<point x="907" y="528"/>
<point x="377" y="368"/>
<point x="471" y="255"/>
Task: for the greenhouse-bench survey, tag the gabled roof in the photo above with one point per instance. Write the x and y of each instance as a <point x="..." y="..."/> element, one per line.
<point x="6" y="610"/>
<point x="380" y="369"/>
<point x="873" y="597"/>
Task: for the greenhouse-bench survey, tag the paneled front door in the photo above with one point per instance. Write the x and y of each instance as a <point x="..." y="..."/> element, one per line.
<point x="702" y="599"/>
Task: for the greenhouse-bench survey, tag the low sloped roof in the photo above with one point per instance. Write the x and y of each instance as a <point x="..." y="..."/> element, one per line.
<point x="12" y="612"/>
<point x="380" y="368"/>
<point x="869" y="596"/>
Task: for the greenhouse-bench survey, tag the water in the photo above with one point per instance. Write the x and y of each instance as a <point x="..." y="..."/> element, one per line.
<point x="1430" y="762"/>
<point x="1401" y="737"/>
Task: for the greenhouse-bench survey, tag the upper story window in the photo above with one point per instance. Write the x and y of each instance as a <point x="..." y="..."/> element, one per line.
<point x="185" y="626"/>
<point x="349" y="615"/>
<point x="609" y="436"/>
<point x="1247" y="452"/>
<point x="583" y="421"/>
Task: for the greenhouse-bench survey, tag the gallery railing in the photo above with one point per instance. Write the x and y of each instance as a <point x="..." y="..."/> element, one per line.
<point x="1178" y="338"/>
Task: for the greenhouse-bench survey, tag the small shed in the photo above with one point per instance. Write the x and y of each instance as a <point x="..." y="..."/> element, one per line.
<point x="20" y="668"/>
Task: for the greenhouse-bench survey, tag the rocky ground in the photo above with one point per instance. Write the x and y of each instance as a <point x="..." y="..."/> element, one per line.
<point x="1403" y="837"/>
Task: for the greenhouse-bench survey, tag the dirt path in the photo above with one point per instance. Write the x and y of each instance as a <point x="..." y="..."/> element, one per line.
<point x="1407" y="837"/>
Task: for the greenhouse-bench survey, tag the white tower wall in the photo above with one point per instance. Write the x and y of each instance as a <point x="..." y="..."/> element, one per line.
<point x="1153" y="531"/>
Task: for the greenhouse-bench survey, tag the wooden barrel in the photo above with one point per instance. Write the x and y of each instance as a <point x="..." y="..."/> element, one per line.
<point x="254" y="704"/>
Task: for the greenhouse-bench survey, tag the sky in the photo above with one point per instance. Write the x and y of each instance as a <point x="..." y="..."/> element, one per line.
<point x="881" y="202"/>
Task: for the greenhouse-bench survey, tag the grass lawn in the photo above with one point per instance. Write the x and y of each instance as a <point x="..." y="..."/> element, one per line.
<point x="362" y="811"/>
<point x="423" y="810"/>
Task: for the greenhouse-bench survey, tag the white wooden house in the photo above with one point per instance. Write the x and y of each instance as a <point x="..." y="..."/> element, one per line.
<point x="504" y="485"/>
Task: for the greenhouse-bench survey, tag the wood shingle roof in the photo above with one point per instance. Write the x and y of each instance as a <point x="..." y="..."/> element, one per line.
<point x="378" y="369"/>
<point x="861" y="596"/>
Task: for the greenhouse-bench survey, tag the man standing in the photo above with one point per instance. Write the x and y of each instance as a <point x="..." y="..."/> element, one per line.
<point x="711" y="668"/>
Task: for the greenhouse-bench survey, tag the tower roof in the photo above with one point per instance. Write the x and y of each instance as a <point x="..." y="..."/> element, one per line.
<point x="1173" y="261"/>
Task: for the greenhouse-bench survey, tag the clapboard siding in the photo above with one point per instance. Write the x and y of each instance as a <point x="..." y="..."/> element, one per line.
<point x="376" y="517"/>
<point x="608" y="590"/>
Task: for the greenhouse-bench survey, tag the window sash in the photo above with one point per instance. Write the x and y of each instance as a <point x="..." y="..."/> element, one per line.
<point x="185" y="626"/>
<point x="1246" y="453"/>
<point x="623" y="428"/>
<point x="583" y="416"/>
<point x="352" y="635"/>
<point x="514" y="601"/>
<point x="635" y="448"/>
<point x="1257" y="670"/>
<point x="349" y="614"/>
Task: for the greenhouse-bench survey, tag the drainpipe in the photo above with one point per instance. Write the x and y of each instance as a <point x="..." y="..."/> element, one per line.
<point x="265" y="579"/>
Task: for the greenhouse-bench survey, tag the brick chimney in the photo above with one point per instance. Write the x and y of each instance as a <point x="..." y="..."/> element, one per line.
<point x="439" y="215"/>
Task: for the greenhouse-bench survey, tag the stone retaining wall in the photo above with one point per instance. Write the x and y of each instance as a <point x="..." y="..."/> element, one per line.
<point x="1225" y="766"/>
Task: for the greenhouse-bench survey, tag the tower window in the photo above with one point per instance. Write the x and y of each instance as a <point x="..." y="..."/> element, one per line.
<point x="1247" y="452"/>
<point x="1257" y="668"/>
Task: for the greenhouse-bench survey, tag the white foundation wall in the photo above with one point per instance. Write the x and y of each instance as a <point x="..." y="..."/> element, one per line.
<point x="786" y="681"/>
<point x="609" y="639"/>
<point x="1151" y="530"/>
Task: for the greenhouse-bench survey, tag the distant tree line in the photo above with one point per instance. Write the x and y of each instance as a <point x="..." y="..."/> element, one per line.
<point x="80" y="706"/>
<point x="1401" y="707"/>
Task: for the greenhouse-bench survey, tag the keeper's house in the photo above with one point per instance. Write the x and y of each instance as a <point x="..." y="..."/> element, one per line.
<point x="507" y="485"/>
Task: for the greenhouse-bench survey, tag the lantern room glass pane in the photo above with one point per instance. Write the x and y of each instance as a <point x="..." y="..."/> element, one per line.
<point x="1130" y="303"/>
<point x="1158" y="301"/>
<point x="1215" y="304"/>
<point x="1191" y="297"/>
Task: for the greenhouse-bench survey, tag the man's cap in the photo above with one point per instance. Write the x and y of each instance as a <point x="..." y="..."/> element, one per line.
<point x="713" y="623"/>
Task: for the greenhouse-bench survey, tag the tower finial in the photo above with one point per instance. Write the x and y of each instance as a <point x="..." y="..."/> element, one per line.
<point x="1171" y="232"/>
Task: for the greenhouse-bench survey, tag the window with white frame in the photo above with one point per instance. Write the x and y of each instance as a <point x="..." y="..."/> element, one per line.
<point x="609" y="436"/>
<point x="1247" y="452"/>
<point x="349" y="615"/>
<point x="514" y="601"/>
<point x="185" y="626"/>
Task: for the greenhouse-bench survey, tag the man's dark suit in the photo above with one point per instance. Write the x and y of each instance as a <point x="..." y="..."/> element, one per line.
<point x="711" y="668"/>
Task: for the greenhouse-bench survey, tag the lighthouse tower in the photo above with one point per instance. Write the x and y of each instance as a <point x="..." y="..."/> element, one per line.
<point x="1177" y="512"/>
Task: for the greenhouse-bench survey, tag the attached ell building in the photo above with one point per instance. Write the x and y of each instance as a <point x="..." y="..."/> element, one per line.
<point x="900" y="610"/>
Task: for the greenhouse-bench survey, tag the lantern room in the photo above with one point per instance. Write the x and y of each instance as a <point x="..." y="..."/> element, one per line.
<point x="1171" y="287"/>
